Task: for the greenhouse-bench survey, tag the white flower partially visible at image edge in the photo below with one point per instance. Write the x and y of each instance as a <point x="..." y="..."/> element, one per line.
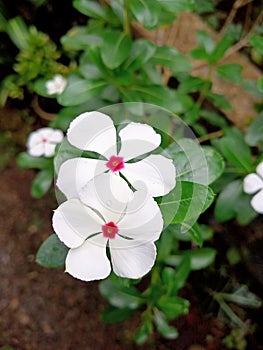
<point x="56" y="85"/>
<point x="253" y="183"/>
<point x="129" y="225"/>
<point x="43" y="141"/>
<point x="95" y="131"/>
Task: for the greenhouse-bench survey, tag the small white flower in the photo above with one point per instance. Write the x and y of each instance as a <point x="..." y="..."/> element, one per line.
<point x="254" y="183"/>
<point x="109" y="214"/>
<point x="56" y="85"/>
<point x="95" y="131"/>
<point x="42" y="142"/>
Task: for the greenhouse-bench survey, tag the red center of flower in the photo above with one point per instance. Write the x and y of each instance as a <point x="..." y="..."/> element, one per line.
<point x="115" y="163"/>
<point x="44" y="140"/>
<point x="110" y="230"/>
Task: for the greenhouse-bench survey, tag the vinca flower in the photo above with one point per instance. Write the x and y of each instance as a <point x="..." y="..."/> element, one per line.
<point x="94" y="131"/>
<point x="56" y="85"/>
<point x="253" y="183"/>
<point x="109" y="214"/>
<point x="42" y="142"/>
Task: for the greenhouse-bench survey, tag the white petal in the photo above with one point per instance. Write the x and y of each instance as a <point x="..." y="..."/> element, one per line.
<point x="134" y="260"/>
<point x="88" y="262"/>
<point x="76" y="173"/>
<point x="37" y="150"/>
<point x="93" y="131"/>
<point x="56" y="136"/>
<point x="33" y="139"/>
<point x="45" y="132"/>
<point x="155" y="174"/>
<point x="257" y="202"/>
<point x="108" y="194"/>
<point x="259" y="169"/>
<point x="252" y="183"/>
<point x="138" y="139"/>
<point x="49" y="149"/>
<point x="73" y="223"/>
<point x="143" y="219"/>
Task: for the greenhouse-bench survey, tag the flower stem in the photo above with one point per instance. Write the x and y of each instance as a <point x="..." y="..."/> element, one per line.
<point x="126" y="23"/>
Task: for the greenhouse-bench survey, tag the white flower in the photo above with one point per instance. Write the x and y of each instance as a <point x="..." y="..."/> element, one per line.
<point x="56" y="85"/>
<point x="94" y="131"/>
<point x="42" y="142"/>
<point x="254" y="183"/>
<point x="109" y="214"/>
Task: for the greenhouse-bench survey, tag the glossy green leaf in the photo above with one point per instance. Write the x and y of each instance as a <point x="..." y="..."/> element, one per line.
<point x="52" y="253"/>
<point x="236" y="151"/>
<point x="181" y="274"/>
<point x="254" y="134"/>
<point x="42" y="183"/>
<point x="178" y="5"/>
<point x="143" y="332"/>
<point x="199" y="258"/>
<point x="120" y="296"/>
<point x="219" y="100"/>
<point x="170" y="57"/>
<point x="115" y="48"/>
<point x="231" y="72"/>
<point x="142" y="50"/>
<point x="90" y="8"/>
<point x="185" y="203"/>
<point x="25" y="160"/>
<point x="220" y="49"/>
<point x="163" y="327"/>
<point x="257" y="42"/>
<point x="78" y="38"/>
<point x="260" y="84"/>
<point x="80" y="91"/>
<point x="195" y="163"/>
<point x="233" y="202"/>
<point x="145" y="13"/>
<point x="192" y="84"/>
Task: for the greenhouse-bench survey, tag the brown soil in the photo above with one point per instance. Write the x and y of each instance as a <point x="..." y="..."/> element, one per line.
<point x="45" y="309"/>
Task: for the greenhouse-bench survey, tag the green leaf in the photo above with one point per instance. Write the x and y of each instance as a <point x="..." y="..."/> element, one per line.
<point x="142" y="50"/>
<point x="196" y="234"/>
<point x="173" y="306"/>
<point x="254" y="134"/>
<point x="80" y="90"/>
<point x="195" y="163"/>
<point x="39" y="87"/>
<point x="163" y="327"/>
<point x="90" y="8"/>
<point x="42" y="183"/>
<point x="260" y="84"/>
<point x="231" y="72"/>
<point x="220" y="49"/>
<point x="236" y="151"/>
<point x="219" y="101"/>
<point x="233" y="202"/>
<point x="257" y="42"/>
<point x="120" y="296"/>
<point x="112" y="314"/>
<point x="145" y="13"/>
<point x="185" y="203"/>
<point x="18" y="32"/>
<point x="25" y="161"/>
<point x="78" y="38"/>
<point x="199" y="258"/>
<point x="52" y="252"/>
<point x="115" y="48"/>
<point x="170" y="57"/>
<point x="178" y="5"/>
<point x="143" y="332"/>
<point x="192" y="84"/>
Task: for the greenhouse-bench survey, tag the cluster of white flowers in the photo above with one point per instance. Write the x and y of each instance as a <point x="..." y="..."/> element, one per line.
<point x="253" y="183"/>
<point x="101" y="211"/>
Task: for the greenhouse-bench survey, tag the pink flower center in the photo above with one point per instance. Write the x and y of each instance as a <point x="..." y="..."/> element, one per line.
<point x="44" y="140"/>
<point x="110" y="230"/>
<point x="115" y="163"/>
